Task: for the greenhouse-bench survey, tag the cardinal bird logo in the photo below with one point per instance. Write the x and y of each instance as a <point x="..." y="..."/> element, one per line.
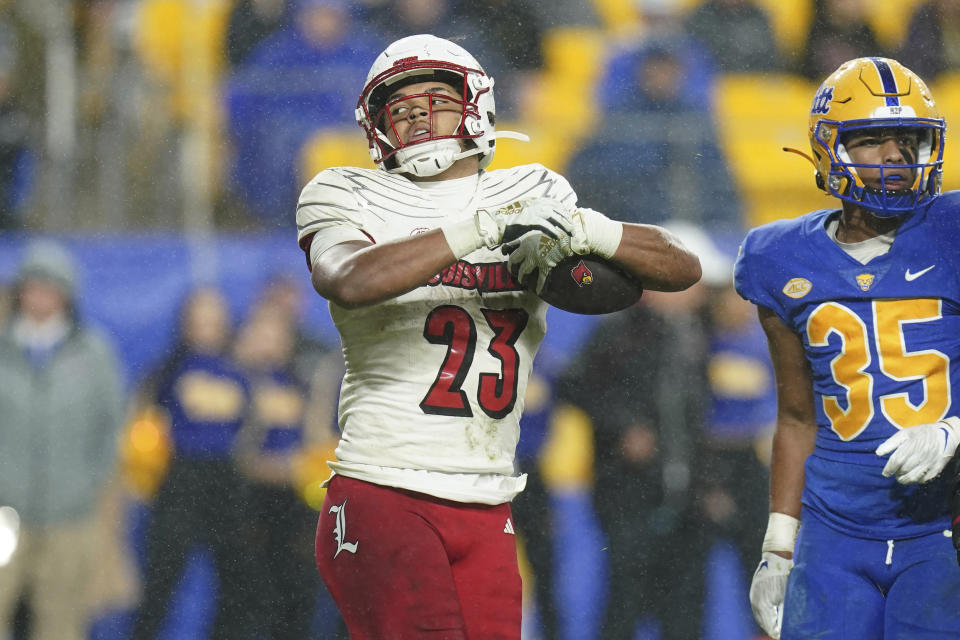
<point x="582" y="275"/>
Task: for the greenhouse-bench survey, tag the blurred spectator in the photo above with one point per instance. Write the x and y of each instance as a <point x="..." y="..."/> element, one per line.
<point x="653" y="154"/>
<point x="16" y="156"/>
<point x="62" y="409"/>
<point x="531" y="508"/>
<point x="513" y="31"/>
<point x="304" y="77"/>
<point x="738" y="34"/>
<point x="641" y="377"/>
<point x="6" y="304"/>
<point x="734" y="443"/>
<point x="664" y="32"/>
<point x="737" y="433"/>
<point x="557" y="13"/>
<point x="250" y="22"/>
<point x="462" y="23"/>
<point x="932" y="45"/>
<point x="203" y="499"/>
<point x="270" y="447"/>
<point x="284" y="293"/>
<point x="838" y="32"/>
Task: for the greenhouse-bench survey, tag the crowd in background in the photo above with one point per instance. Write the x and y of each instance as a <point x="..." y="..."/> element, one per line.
<point x="215" y="127"/>
<point x="212" y="113"/>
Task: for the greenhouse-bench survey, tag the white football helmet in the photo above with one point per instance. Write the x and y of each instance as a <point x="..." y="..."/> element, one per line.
<point x="421" y="58"/>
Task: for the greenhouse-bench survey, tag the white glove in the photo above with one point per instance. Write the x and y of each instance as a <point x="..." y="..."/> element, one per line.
<point x="920" y="453"/>
<point x="508" y="223"/>
<point x="595" y="233"/>
<point x="536" y="251"/>
<point x="767" y="592"/>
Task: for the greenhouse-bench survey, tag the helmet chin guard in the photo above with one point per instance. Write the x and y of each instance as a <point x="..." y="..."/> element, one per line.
<point x="429" y="158"/>
<point x="422" y="58"/>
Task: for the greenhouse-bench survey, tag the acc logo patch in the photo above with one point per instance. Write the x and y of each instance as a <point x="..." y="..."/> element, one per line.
<point x="865" y="281"/>
<point x="797" y="287"/>
<point x="582" y="275"/>
<point x="821" y="101"/>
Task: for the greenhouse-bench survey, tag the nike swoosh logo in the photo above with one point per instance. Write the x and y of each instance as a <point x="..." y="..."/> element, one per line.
<point x="910" y="277"/>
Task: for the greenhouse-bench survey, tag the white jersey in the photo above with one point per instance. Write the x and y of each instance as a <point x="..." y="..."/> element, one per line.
<point x="434" y="383"/>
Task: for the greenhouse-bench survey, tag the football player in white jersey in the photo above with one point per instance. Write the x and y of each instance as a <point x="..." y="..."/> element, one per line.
<point x="415" y="537"/>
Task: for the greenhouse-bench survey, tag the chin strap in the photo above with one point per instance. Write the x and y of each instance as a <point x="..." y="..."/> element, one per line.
<point x="801" y="154"/>
<point x="513" y="135"/>
<point x="432" y="166"/>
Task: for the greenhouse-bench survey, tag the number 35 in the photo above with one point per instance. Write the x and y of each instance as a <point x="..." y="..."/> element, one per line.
<point x="930" y="367"/>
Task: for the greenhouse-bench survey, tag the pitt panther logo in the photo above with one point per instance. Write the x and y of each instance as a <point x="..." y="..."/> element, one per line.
<point x="865" y="281"/>
<point x="582" y="275"/>
<point x="821" y="102"/>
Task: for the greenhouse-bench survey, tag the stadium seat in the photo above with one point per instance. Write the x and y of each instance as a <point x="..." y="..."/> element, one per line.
<point x="548" y="146"/>
<point x="890" y="21"/>
<point x="333" y="147"/>
<point x="791" y="21"/>
<point x="757" y="115"/>
<point x="573" y="58"/>
<point x="171" y="34"/>
<point x="946" y="91"/>
<point x="562" y="106"/>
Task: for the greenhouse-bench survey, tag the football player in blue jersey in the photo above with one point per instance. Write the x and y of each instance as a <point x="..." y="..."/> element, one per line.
<point x="861" y="308"/>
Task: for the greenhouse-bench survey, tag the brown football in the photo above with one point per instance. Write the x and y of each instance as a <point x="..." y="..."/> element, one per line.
<point x="588" y="285"/>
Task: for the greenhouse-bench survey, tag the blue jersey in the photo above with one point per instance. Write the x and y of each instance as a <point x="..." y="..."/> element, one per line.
<point x="883" y="343"/>
<point x="279" y="403"/>
<point x="207" y="398"/>
<point x="743" y="396"/>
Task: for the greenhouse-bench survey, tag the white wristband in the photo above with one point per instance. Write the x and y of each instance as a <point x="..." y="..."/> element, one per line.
<point x="781" y="532"/>
<point x="607" y="237"/>
<point x="603" y="235"/>
<point x="462" y="236"/>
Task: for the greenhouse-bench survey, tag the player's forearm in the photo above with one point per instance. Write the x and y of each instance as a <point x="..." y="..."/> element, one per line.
<point x="792" y="444"/>
<point x="656" y="257"/>
<point x="367" y="275"/>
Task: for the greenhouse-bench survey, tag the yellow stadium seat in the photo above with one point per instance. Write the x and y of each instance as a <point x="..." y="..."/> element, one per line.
<point x="548" y="146"/>
<point x="890" y="20"/>
<point x="616" y="15"/>
<point x="946" y="91"/>
<point x="334" y="147"/>
<point x="181" y="44"/>
<point x="757" y="115"/>
<point x="791" y="21"/>
<point x="576" y="53"/>
<point x="560" y="107"/>
<point x="567" y="459"/>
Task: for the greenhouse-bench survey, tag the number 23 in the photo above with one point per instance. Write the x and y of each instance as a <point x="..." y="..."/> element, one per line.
<point x="454" y="327"/>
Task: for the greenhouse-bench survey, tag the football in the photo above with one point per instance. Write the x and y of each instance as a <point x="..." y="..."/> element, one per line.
<point x="588" y="285"/>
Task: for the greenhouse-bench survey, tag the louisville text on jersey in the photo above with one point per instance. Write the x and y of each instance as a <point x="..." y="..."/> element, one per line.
<point x="485" y="277"/>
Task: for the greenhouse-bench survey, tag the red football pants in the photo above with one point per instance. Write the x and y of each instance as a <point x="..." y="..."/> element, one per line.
<point x="401" y="564"/>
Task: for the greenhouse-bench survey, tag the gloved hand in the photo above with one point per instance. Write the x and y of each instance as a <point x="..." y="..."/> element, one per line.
<point x="508" y="223"/>
<point x="536" y="251"/>
<point x="767" y="592"/>
<point x="920" y="453"/>
<point x="595" y="233"/>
